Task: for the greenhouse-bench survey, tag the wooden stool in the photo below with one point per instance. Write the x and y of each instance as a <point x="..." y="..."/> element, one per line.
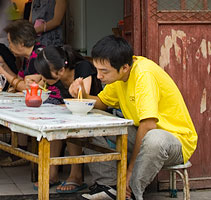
<point x="182" y="171"/>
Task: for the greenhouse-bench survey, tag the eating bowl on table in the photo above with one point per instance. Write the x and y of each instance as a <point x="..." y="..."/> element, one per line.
<point x="79" y="106"/>
<point x="44" y="95"/>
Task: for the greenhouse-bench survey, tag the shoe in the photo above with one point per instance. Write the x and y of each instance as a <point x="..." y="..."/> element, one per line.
<point x="76" y="189"/>
<point x="50" y="185"/>
<point x="100" y="192"/>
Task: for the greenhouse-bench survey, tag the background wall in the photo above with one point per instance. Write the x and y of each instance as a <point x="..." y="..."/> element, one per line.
<point x="89" y="20"/>
<point x="102" y="16"/>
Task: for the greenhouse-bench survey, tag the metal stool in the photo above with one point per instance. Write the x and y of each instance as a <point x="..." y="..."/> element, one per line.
<point x="182" y="171"/>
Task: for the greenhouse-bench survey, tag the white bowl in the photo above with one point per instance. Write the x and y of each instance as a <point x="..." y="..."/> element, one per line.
<point x="44" y="95"/>
<point x="79" y="106"/>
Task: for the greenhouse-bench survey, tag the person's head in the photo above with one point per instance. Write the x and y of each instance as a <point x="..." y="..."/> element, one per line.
<point x="21" y="36"/>
<point x="52" y="61"/>
<point x="112" y="57"/>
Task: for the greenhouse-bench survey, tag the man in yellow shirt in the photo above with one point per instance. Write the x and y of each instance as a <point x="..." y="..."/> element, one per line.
<point x="163" y="132"/>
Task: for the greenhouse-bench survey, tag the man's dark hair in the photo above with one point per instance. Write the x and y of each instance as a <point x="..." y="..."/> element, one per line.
<point x="22" y="31"/>
<point x="114" y="49"/>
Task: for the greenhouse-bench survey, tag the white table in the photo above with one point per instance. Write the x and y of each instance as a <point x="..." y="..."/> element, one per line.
<point x="50" y="122"/>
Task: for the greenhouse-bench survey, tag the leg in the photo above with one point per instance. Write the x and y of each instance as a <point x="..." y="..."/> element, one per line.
<point x="76" y="171"/>
<point x="173" y="183"/>
<point x="22" y="140"/>
<point x="44" y="160"/>
<point x="158" y="148"/>
<point x="56" y="147"/>
<point x="187" y="189"/>
<point x="122" y="167"/>
<point x="54" y="152"/>
<point x="103" y="173"/>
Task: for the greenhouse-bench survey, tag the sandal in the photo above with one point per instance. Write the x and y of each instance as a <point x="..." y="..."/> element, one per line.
<point x="50" y="185"/>
<point x="77" y="188"/>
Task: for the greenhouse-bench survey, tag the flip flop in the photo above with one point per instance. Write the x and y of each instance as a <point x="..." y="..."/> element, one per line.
<point x="76" y="189"/>
<point x="50" y="185"/>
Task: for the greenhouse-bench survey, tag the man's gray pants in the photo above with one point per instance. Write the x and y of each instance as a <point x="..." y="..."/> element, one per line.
<point x="159" y="148"/>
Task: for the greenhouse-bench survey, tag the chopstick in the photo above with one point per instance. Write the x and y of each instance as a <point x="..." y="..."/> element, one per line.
<point x="80" y="93"/>
<point x="43" y="88"/>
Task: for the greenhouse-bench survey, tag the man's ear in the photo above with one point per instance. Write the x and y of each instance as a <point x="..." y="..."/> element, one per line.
<point x="125" y="68"/>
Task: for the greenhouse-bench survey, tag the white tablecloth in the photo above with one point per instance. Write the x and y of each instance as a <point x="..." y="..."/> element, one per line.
<point x="56" y="122"/>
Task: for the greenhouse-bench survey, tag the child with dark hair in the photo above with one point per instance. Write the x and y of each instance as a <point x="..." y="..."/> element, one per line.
<point x="59" y="67"/>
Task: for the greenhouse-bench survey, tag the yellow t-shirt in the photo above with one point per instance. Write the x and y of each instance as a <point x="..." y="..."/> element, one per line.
<point x="150" y="93"/>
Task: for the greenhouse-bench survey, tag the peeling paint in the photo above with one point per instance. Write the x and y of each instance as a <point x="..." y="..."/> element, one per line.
<point x="171" y="41"/>
<point x="197" y="55"/>
<point x="208" y="68"/>
<point x="203" y="106"/>
<point x="203" y="47"/>
<point x="164" y="59"/>
<point x="193" y="39"/>
<point x="209" y="48"/>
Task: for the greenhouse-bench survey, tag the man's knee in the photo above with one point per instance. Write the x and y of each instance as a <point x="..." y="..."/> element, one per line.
<point x="154" y="140"/>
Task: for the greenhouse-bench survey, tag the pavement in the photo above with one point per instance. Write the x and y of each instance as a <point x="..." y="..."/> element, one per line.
<point x="15" y="184"/>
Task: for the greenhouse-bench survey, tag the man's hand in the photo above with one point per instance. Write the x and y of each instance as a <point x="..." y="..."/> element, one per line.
<point x="128" y="190"/>
<point x="74" y="88"/>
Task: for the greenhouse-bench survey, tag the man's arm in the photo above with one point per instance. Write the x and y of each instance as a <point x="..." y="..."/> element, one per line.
<point x="74" y="88"/>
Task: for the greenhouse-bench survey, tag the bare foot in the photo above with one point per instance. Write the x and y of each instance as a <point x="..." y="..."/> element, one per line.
<point x="69" y="184"/>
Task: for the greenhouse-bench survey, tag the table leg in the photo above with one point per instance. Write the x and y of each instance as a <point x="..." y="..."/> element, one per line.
<point x="43" y="169"/>
<point x="121" y="167"/>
